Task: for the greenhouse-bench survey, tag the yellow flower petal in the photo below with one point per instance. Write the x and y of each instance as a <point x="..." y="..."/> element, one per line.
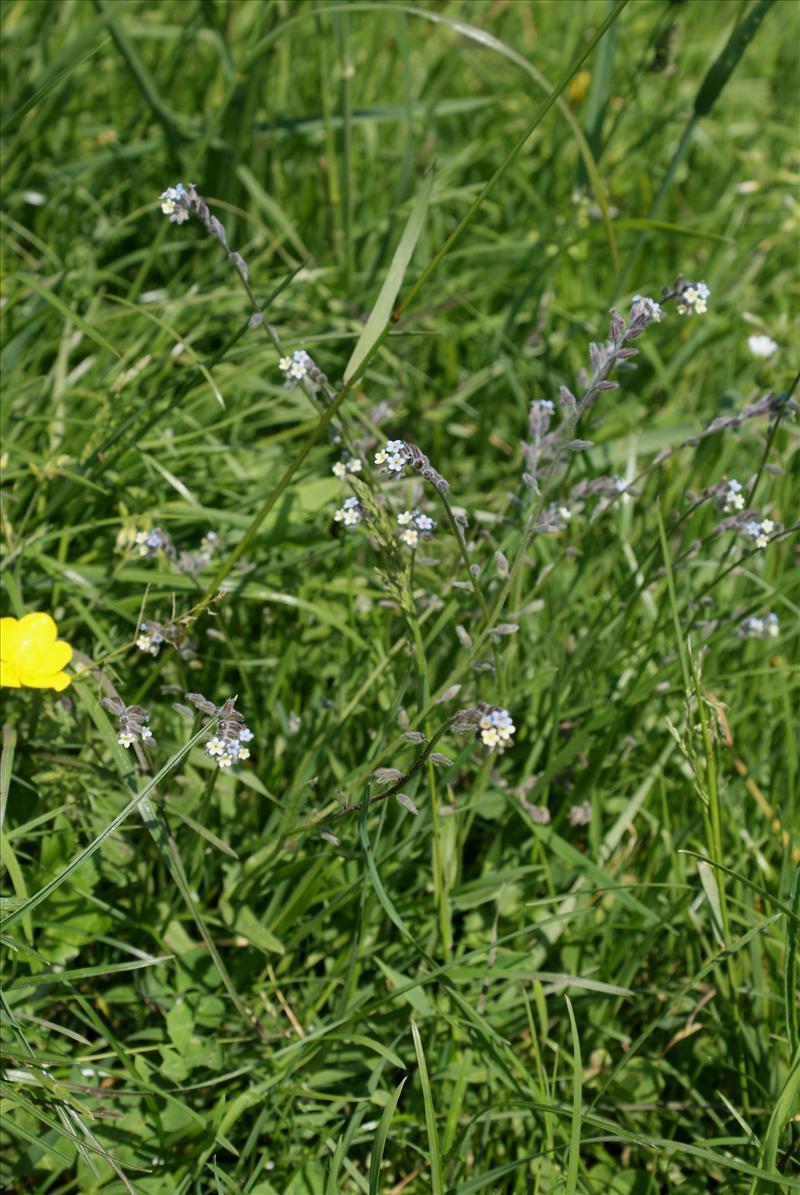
<point x="9" y="637"/>
<point x="50" y="680"/>
<point x="9" y="677"/>
<point x="31" y="653"/>
<point x="39" y="626"/>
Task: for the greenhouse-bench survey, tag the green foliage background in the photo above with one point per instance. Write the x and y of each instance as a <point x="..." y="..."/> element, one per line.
<point x="465" y="1000"/>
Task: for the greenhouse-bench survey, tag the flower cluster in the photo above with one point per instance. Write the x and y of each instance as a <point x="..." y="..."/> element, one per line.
<point x="351" y="513"/>
<point x="548" y="447"/>
<point x="175" y="204"/>
<point x="229" y="745"/>
<point x="554" y="519"/>
<point x="31" y="655"/>
<point x="150" y="638"/>
<point x="153" y="634"/>
<point x="194" y="562"/>
<point x="180" y="202"/>
<point x="296" y="367"/>
<point x="580" y="815"/>
<point x="762" y="346"/>
<point x="346" y="467"/>
<point x="761" y="628"/>
<point x="760" y="532"/>
<point x="394" y="457"/>
<point x="131" y="722"/>
<point x="150" y="543"/>
<point x="490" y="724"/>
<point x="414" y="525"/>
<point x="496" y="728"/>
<point x="541" y="412"/>
<point x="229" y="751"/>
<point x="732" y="497"/>
<point x="646" y="310"/>
<point x="692" y="298"/>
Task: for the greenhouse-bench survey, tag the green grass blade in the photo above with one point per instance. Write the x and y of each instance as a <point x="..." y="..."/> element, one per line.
<point x="790" y="985"/>
<point x="46" y="977"/>
<point x="381" y="314"/>
<point x="785" y="1109"/>
<point x="577" y="1102"/>
<point x="381" y="1135"/>
<point x="437" y="1182"/>
<point x="723" y="67"/>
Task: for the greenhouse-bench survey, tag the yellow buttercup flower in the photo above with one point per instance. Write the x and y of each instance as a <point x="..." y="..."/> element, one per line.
<point x="31" y="655"/>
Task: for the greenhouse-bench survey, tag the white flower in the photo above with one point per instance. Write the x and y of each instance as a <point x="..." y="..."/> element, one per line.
<point x="215" y="746"/>
<point x="564" y="513"/>
<point x="761" y="628"/>
<point x="225" y="761"/>
<point x="145" y="643"/>
<point x="424" y="522"/>
<point x="693" y="299"/>
<point x="125" y="738"/>
<point x="394" y="456"/>
<point x="347" y="465"/>
<point x="410" y="537"/>
<point x="760" y="532"/>
<point x="246" y="735"/>
<point x="762" y="346"/>
<point x="502" y="722"/>
<point x="405" y="517"/>
<point x="243" y="753"/>
<point x="172" y="204"/>
<point x="170" y="197"/>
<point x="496" y="728"/>
<point x="350" y="513"/>
<point x="295" y="367"/>
<point x="620" y="485"/>
<point x="733" y="499"/>
<point x="145" y="733"/>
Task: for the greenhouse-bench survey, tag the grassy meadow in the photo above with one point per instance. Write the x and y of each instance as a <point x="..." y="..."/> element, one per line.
<point x="394" y="945"/>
